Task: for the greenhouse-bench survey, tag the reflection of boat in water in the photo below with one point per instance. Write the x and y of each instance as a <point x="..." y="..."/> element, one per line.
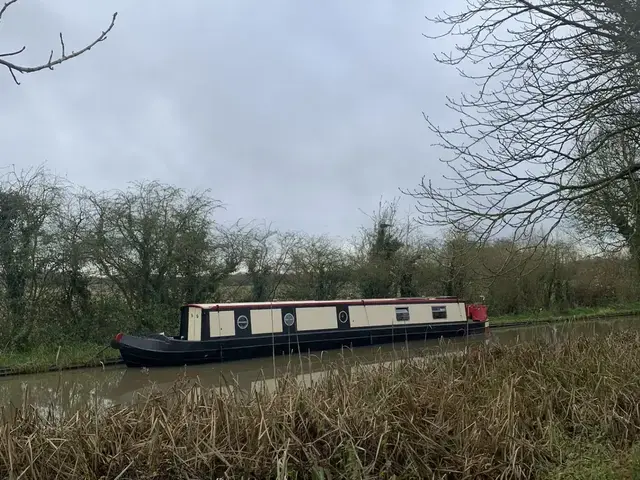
<point x="249" y="376"/>
<point x="232" y="331"/>
<point x="65" y="392"/>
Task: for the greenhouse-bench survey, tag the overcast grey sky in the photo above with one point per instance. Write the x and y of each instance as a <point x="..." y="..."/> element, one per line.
<point x="299" y="113"/>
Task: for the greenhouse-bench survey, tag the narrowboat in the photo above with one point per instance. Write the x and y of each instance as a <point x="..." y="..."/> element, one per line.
<point x="218" y="332"/>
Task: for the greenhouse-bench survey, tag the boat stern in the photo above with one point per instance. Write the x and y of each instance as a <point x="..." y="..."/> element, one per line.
<point x="477" y="312"/>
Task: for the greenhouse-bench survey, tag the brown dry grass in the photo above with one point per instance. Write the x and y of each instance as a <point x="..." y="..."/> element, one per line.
<point x="527" y="411"/>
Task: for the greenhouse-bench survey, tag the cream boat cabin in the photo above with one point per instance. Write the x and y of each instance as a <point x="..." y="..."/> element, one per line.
<point x="227" y="331"/>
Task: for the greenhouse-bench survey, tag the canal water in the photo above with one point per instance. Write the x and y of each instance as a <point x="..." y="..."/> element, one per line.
<point x="63" y="393"/>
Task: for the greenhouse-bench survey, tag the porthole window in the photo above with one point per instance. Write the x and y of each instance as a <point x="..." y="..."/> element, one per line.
<point x="289" y="319"/>
<point x="242" y="322"/>
<point x="343" y="317"/>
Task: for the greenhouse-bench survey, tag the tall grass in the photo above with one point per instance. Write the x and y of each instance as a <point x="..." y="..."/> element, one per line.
<point x="531" y="410"/>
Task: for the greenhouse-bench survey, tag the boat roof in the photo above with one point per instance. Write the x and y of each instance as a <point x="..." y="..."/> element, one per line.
<point x="323" y="303"/>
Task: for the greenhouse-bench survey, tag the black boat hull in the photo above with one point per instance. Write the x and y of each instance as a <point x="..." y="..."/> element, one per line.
<point x="162" y="351"/>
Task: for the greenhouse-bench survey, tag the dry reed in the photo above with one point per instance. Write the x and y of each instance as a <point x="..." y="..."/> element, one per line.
<point x="494" y="412"/>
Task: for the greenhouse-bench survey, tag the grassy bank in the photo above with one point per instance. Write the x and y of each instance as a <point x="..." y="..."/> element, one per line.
<point x="45" y="357"/>
<point x="532" y="410"/>
<point x="578" y="313"/>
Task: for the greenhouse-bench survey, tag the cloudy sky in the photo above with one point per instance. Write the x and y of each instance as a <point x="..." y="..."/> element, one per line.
<point x="298" y="113"/>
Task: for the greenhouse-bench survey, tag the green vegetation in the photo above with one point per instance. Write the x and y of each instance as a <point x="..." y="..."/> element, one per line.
<point x="46" y="357"/>
<point x="76" y="266"/>
<point x="595" y="461"/>
<point x="578" y="313"/>
<point x="531" y="410"/>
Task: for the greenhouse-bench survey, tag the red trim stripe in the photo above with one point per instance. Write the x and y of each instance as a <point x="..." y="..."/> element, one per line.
<point x="323" y="303"/>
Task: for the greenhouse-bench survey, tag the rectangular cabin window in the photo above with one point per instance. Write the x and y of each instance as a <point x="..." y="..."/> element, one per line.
<point x="439" y="312"/>
<point x="402" y="314"/>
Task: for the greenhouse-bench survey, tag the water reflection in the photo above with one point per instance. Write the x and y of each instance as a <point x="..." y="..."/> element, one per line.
<point x="63" y="393"/>
<point x="60" y="393"/>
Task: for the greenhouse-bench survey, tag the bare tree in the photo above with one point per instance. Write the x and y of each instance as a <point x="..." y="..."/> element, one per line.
<point x="455" y="256"/>
<point x="319" y="270"/>
<point x="74" y="258"/>
<point x="553" y="72"/>
<point x="611" y="216"/>
<point x="54" y="59"/>
<point x="155" y="244"/>
<point x="387" y="254"/>
<point x="268" y="260"/>
<point x="30" y="203"/>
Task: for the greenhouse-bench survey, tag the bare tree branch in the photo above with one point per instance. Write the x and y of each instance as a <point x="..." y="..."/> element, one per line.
<point x="52" y="61"/>
<point x="555" y="70"/>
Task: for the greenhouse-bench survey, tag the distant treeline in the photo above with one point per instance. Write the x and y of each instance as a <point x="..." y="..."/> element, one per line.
<point x="80" y="265"/>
